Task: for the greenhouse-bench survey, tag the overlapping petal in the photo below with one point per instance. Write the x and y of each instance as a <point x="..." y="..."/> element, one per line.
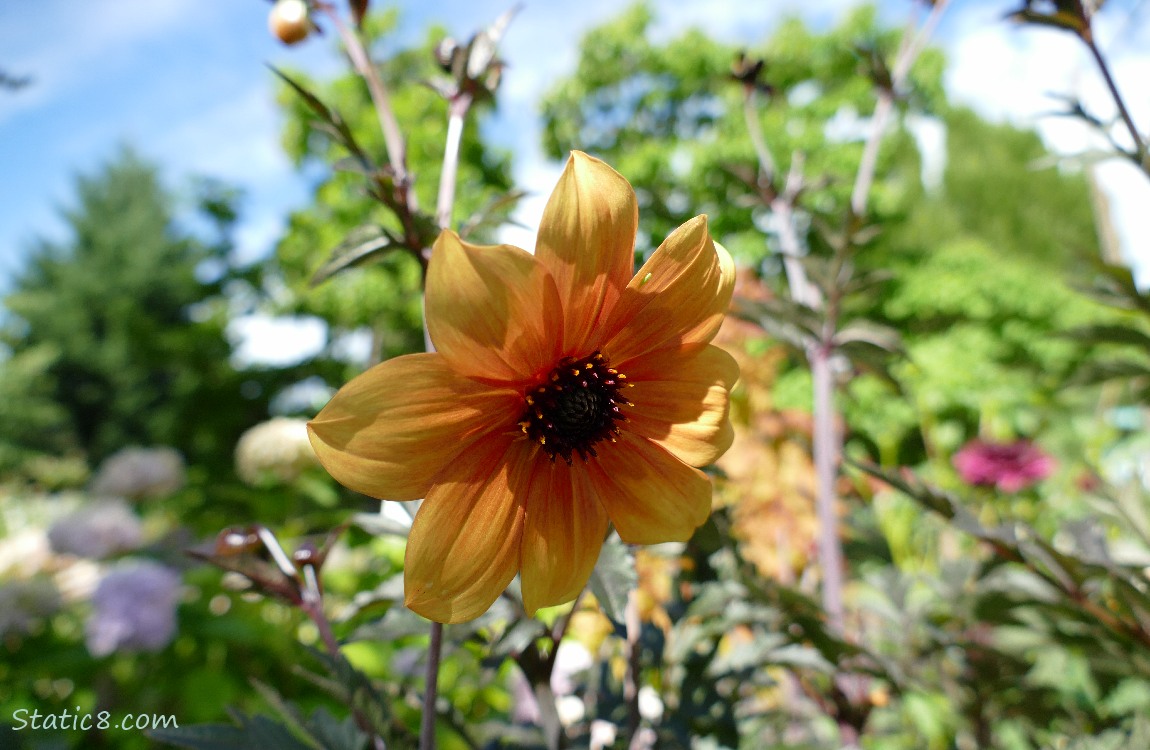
<point x="390" y="431"/>
<point x="587" y="240"/>
<point x="492" y="311"/>
<point x="464" y="545"/>
<point x="564" y="531"/>
<point x="682" y="402"/>
<point x="679" y="296"/>
<point x="650" y="495"/>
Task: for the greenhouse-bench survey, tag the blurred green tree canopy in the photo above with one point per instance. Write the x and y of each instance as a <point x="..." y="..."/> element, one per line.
<point x="117" y="335"/>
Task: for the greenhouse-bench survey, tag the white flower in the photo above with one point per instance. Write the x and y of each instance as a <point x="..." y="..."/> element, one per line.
<point x="276" y="450"/>
<point x="571" y="658"/>
<point x="134" y="609"/>
<point x="98" y="530"/>
<point x="139" y="473"/>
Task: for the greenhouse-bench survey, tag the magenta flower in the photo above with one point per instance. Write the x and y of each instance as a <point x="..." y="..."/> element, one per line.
<point x="1008" y="466"/>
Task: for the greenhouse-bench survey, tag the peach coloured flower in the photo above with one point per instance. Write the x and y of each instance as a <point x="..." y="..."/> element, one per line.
<point x="564" y="395"/>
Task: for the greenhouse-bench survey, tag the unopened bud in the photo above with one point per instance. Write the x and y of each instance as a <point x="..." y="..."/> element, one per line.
<point x="289" y="22"/>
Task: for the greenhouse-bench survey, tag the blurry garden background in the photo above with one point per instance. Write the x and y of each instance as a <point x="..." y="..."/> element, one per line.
<point x="172" y="313"/>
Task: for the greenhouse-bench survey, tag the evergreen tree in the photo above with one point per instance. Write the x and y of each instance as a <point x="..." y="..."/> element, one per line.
<point x="115" y="336"/>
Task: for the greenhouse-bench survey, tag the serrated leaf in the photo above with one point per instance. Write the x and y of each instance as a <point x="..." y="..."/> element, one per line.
<point x="362" y="245"/>
<point x="253" y="733"/>
<point x="791" y="322"/>
<point x="494" y="213"/>
<point x="331" y="120"/>
<point x="613" y="578"/>
<point x="1111" y="334"/>
<point x="518" y="637"/>
<point x="336" y="734"/>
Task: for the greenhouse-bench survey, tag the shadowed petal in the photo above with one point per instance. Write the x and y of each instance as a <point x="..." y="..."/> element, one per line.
<point x="564" y="532"/>
<point x="679" y="296"/>
<point x="681" y="401"/>
<point x="390" y="431"/>
<point x="492" y="311"/>
<point x="464" y="545"/>
<point x="650" y="495"/>
<point x="587" y="241"/>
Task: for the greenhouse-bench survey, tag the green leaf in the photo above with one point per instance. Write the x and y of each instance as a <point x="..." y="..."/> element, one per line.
<point x="253" y="733"/>
<point x="613" y="578"/>
<point x="363" y="244"/>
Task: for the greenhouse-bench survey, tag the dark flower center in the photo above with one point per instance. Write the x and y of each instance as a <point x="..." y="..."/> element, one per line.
<point x="576" y="406"/>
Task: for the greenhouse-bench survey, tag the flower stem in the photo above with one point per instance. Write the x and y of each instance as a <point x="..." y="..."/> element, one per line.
<point x="389" y="125"/>
<point x="1139" y="144"/>
<point x="826" y="449"/>
<point x="312" y="605"/>
<point x="457" y="112"/>
<point x="631" y="678"/>
<point x="430" y="694"/>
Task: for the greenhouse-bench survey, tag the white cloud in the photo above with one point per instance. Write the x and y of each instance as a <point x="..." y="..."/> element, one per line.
<point x="263" y="339"/>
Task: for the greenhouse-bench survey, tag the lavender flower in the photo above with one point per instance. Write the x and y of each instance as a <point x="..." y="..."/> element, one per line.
<point x="134" y="609"/>
<point x="140" y="473"/>
<point x="1008" y="466"/>
<point x="97" y="530"/>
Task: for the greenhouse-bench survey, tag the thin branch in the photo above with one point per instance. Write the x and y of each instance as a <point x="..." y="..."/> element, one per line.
<point x="909" y="49"/>
<point x="750" y="114"/>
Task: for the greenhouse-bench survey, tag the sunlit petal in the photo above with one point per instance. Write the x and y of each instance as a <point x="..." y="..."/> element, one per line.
<point x="564" y="532"/>
<point x="492" y="311"/>
<point x="390" y="431"/>
<point x="650" y="495"/>
<point x="681" y="401"/>
<point x="464" y="545"/>
<point x="587" y="240"/>
<point x="678" y="297"/>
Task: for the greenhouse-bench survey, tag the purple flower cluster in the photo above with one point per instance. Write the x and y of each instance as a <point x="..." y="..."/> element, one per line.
<point x="101" y="529"/>
<point x="1008" y="466"/>
<point x="134" y="609"/>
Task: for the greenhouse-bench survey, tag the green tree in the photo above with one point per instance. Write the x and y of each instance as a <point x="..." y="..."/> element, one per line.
<point x="116" y="338"/>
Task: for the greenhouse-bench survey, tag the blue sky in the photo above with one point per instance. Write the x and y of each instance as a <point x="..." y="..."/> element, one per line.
<point x="185" y="83"/>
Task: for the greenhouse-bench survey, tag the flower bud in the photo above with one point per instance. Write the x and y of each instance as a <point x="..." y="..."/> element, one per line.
<point x="289" y="22"/>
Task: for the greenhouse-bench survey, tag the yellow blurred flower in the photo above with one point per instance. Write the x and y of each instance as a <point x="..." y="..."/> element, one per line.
<point x="557" y="355"/>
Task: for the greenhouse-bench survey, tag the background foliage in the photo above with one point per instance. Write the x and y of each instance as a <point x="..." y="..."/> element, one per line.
<point x="975" y="617"/>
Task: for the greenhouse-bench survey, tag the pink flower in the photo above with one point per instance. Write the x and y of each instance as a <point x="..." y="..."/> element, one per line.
<point x="1008" y="466"/>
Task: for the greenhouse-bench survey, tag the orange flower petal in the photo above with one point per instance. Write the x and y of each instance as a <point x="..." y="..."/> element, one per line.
<point x="564" y="532"/>
<point x="587" y="240"/>
<point x="464" y="544"/>
<point x="682" y="402"/>
<point x="679" y="296"/>
<point x="650" y="496"/>
<point x="493" y="311"/>
<point x="390" y="431"/>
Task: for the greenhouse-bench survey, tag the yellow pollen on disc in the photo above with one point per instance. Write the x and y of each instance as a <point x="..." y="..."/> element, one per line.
<point x="578" y="406"/>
